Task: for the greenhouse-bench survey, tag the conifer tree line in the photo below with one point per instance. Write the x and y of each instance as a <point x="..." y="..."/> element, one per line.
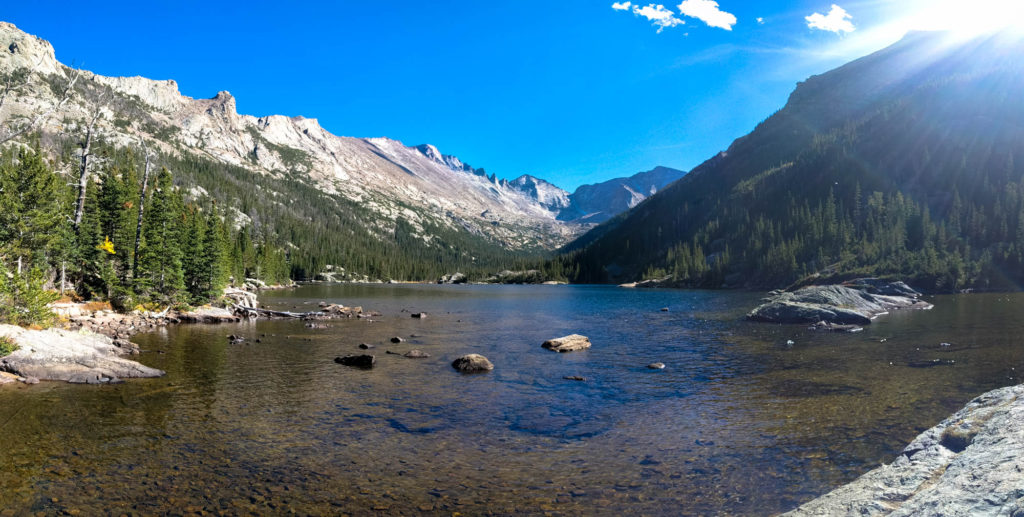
<point x="139" y="242"/>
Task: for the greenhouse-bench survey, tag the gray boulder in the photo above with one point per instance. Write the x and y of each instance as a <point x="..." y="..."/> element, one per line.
<point x="836" y="304"/>
<point x="970" y="464"/>
<point x="416" y="354"/>
<point x="568" y="343"/>
<point x="454" y="278"/>
<point x="472" y="363"/>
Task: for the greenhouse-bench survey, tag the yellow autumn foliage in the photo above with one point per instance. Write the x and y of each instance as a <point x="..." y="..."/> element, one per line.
<point x="107" y="246"/>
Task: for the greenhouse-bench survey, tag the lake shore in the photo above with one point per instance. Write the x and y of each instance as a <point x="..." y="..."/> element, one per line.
<point x="969" y="464"/>
<point x="91" y="346"/>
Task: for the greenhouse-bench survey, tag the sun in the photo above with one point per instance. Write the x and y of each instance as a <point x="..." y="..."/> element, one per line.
<point x="967" y="18"/>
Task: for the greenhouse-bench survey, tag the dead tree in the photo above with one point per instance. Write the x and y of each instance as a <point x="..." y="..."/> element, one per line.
<point x="83" y="172"/>
<point x="142" y="202"/>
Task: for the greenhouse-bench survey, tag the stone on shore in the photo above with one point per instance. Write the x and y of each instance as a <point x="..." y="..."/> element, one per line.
<point x="208" y="315"/>
<point x="359" y="361"/>
<point x="454" y="278"/>
<point x="970" y="464"/>
<point x="472" y="363"/>
<point x="568" y="343"/>
<point x="854" y="303"/>
<point x="63" y="355"/>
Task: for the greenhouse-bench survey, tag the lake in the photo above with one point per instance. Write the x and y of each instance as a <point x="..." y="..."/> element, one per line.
<point x="740" y="421"/>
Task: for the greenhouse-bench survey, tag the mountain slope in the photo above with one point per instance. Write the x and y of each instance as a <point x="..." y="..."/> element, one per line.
<point x="421" y="204"/>
<point x="905" y="162"/>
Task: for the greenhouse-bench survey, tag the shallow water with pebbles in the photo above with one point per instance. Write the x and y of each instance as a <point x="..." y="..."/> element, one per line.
<point x="737" y="422"/>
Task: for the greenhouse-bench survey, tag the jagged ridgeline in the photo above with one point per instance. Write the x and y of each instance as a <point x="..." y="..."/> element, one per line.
<point x="907" y="162"/>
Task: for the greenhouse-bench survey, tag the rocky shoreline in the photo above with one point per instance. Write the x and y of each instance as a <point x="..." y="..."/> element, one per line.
<point x="92" y="345"/>
<point x="970" y="464"/>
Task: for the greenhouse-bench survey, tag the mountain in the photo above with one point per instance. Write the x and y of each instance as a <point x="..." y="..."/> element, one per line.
<point x="383" y="205"/>
<point x="593" y="204"/>
<point x="600" y="202"/>
<point x="908" y="162"/>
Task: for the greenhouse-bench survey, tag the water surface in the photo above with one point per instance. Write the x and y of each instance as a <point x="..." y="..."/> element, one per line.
<point x="739" y="422"/>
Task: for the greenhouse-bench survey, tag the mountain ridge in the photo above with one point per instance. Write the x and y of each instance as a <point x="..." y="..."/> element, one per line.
<point x="398" y="184"/>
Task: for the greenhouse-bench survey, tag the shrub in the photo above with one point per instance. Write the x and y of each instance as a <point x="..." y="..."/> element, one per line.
<point x="7" y="346"/>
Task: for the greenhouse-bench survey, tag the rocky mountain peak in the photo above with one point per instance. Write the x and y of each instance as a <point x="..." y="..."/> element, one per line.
<point x="21" y="50"/>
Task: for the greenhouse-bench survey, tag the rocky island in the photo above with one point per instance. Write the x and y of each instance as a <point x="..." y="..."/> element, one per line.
<point x="856" y="302"/>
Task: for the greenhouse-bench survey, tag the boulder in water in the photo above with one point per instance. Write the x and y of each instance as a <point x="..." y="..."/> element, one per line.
<point x="358" y="361"/>
<point x="568" y="343"/>
<point x="472" y="363"/>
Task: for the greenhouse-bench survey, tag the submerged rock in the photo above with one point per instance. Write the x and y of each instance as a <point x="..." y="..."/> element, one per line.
<point x="568" y="343"/>
<point x="575" y="378"/>
<point x="656" y="366"/>
<point x="367" y="346"/>
<point x="358" y="361"/>
<point x="836" y="304"/>
<point x="970" y="464"/>
<point x="397" y="339"/>
<point x="472" y="363"/>
<point x="419" y="315"/>
<point x="835" y="327"/>
<point x="416" y="354"/>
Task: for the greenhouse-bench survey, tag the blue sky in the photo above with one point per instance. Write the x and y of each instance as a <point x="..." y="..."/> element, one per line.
<point x="571" y="91"/>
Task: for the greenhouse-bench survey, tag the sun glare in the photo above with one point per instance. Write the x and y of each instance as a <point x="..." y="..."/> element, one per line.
<point x="967" y="19"/>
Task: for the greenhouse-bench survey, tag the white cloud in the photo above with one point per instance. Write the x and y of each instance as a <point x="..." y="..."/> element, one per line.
<point x="708" y="12"/>
<point x="760" y="21"/>
<point x="621" y="6"/>
<point x="837" y="20"/>
<point x="658" y="16"/>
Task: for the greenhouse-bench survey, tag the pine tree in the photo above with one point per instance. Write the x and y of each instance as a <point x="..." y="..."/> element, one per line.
<point x="160" y="276"/>
<point x="30" y="219"/>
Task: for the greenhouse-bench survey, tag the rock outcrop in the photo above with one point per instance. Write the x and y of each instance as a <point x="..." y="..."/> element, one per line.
<point x="63" y="355"/>
<point x="852" y="303"/>
<point x="970" y="464"/>
<point x="568" y="343"/>
<point x="454" y="278"/>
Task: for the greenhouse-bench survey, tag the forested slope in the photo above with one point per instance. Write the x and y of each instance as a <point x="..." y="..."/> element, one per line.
<point x="908" y="162"/>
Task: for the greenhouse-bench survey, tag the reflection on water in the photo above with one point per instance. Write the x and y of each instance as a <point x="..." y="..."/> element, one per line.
<point x="738" y="422"/>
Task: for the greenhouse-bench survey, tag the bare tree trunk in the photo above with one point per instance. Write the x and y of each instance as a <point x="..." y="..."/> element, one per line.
<point x="63" y="276"/>
<point x="83" y="174"/>
<point x="142" y="202"/>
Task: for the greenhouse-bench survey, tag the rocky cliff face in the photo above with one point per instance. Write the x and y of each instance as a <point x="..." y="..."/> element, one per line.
<point x="418" y="185"/>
